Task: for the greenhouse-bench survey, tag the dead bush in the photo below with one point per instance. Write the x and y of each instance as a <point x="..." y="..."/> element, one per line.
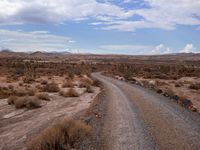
<point x="20" y="92"/>
<point x="21" y="102"/>
<point x="43" y="96"/>
<point x="33" y="103"/>
<point x="85" y="83"/>
<point x="89" y="89"/>
<point x="51" y="87"/>
<point x="11" y="100"/>
<point x="195" y="86"/>
<point x="5" y="92"/>
<point x="66" y="135"/>
<point x="43" y="82"/>
<point x="70" y="93"/>
<point x="96" y="83"/>
<point x="31" y="92"/>
<point x="67" y="84"/>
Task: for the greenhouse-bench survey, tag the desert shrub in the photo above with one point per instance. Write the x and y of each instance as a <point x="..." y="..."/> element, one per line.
<point x="11" y="87"/>
<point x="11" y="100"/>
<point x="66" y="135"/>
<point x="20" y="84"/>
<point x="70" y="93"/>
<point x="96" y="83"/>
<point x="68" y="83"/>
<point x="28" y="79"/>
<point x="20" y="92"/>
<point x="51" y="87"/>
<point x="31" y="92"/>
<point x="85" y="82"/>
<point x="89" y="89"/>
<point x="33" y="103"/>
<point x="43" y="82"/>
<point x="5" y="92"/>
<point x="195" y="86"/>
<point x="21" y="102"/>
<point x="43" y="96"/>
<point x="178" y="84"/>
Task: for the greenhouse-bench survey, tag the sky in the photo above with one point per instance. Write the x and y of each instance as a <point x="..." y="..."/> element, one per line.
<point x="133" y="27"/>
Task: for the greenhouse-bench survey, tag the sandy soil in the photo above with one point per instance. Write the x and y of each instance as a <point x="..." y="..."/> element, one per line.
<point x="17" y="127"/>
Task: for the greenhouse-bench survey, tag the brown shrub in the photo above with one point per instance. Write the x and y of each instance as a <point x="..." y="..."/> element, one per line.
<point x="31" y="92"/>
<point x="195" y="86"/>
<point x="96" y="83"/>
<point x="89" y="89"/>
<point x="11" y="100"/>
<point x="51" y="87"/>
<point x="20" y="92"/>
<point x="85" y="82"/>
<point x="5" y="92"/>
<point x="33" y="103"/>
<point x="21" y="102"/>
<point x="29" y="102"/>
<point x="43" y="96"/>
<point x="66" y="135"/>
<point x="68" y="83"/>
<point x="43" y="82"/>
<point x="70" y="93"/>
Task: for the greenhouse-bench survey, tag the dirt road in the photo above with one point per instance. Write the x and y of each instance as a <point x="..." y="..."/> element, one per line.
<point x="138" y="118"/>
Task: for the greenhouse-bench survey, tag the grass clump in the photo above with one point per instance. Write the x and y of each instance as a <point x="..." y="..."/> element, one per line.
<point x="84" y="83"/>
<point x="43" y="96"/>
<point x="27" y="102"/>
<point x="51" y="87"/>
<point x="89" y="89"/>
<point x="67" y="84"/>
<point x="66" y="135"/>
<point x="70" y="93"/>
<point x="195" y="86"/>
<point x="11" y="100"/>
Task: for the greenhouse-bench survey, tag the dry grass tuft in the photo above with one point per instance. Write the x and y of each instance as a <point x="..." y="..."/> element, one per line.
<point x="66" y="135"/>
<point x="5" y="92"/>
<point x="43" y="96"/>
<point x="70" y="93"/>
<point x="89" y="89"/>
<point x="51" y="87"/>
<point x="28" y="102"/>
<point x="195" y="86"/>
<point x="85" y="83"/>
<point x="11" y="100"/>
<point x="67" y="84"/>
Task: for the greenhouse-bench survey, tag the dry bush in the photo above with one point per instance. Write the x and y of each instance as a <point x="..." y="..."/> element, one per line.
<point x="89" y="89"/>
<point x="51" y="87"/>
<point x="67" y="84"/>
<point x="178" y="84"/>
<point x="21" y="102"/>
<point x="33" y="103"/>
<point x="85" y="83"/>
<point x="43" y="96"/>
<point x="20" y="84"/>
<point x="29" y="102"/>
<point x="43" y="82"/>
<point x="70" y="93"/>
<point x="31" y="92"/>
<point x="5" y="92"/>
<point x="11" y="100"/>
<point x="20" y="92"/>
<point x="66" y="135"/>
<point x="96" y="83"/>
<point x="195" y="86"/>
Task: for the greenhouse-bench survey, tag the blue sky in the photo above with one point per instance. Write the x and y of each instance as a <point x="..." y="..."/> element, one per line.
<point x="103" y="26"/>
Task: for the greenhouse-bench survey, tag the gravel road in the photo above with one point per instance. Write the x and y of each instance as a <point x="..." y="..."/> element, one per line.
<point x="139" y="118"/>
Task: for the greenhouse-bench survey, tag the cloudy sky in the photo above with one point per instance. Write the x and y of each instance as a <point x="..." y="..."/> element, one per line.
<point x="101" y="26"/>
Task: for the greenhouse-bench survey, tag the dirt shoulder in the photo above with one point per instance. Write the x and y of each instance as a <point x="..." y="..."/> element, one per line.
<point x="17" y="127"/>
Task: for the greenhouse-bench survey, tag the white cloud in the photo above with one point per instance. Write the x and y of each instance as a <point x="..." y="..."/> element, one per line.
<point x="163" y="14"/>
<point x="126" y="47"/>
<point x="161" y="49"/>
<point x="188" y="49"/>
<point x="31" y="41"/>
